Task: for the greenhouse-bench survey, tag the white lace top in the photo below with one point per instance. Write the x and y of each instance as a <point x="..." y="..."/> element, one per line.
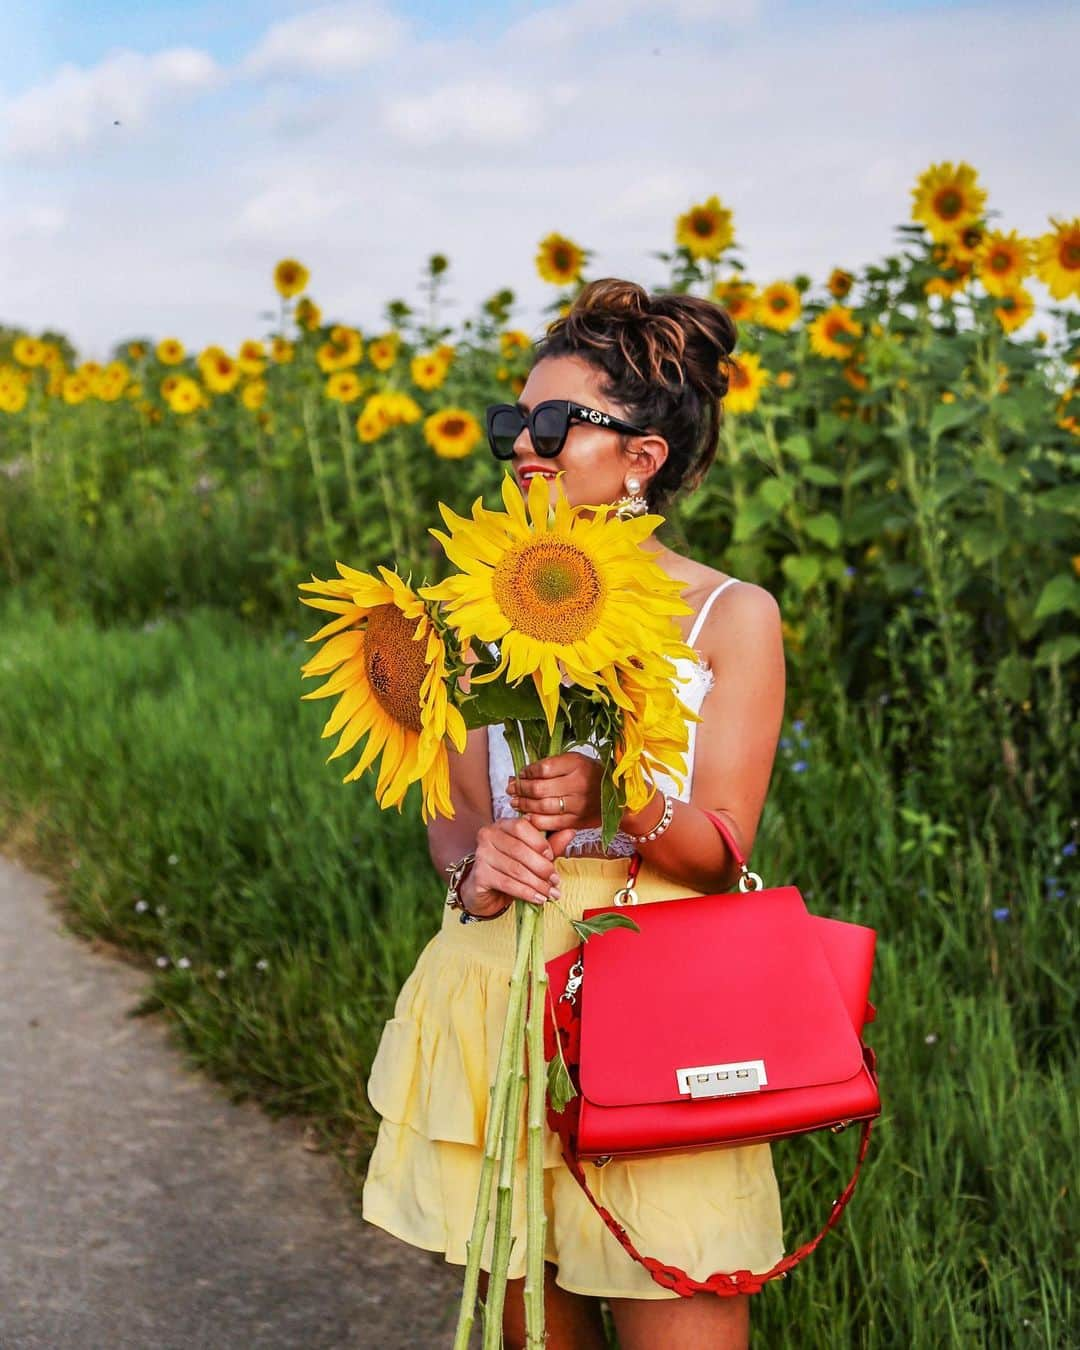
<point x="696" y="683"/>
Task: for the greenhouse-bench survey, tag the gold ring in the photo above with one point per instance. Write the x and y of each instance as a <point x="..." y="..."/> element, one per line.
<point x="562" y="806"/>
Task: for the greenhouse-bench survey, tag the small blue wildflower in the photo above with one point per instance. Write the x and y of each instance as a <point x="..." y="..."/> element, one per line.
<point x="1002" y="913"/>
<point x="798" y="725"/>
<point x="1067" y="850"/>
<point x="785" y="742"/>
<point x="1059" y="892"/>
<point x="1050" y="882"/>
<point x="799" y="766"/>
<point x="849" y="571"/>
<point x="917" y="590"/>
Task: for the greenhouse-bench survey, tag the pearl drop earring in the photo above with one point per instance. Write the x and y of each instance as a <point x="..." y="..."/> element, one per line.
<point x="634" y="503"/>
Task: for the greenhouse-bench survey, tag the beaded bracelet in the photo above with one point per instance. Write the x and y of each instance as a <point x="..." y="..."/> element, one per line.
<point x="660" y="826"/>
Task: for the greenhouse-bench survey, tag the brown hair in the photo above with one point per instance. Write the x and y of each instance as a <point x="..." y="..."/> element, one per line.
<point x="664" y="358"/>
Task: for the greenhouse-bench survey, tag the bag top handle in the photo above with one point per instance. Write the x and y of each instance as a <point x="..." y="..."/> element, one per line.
<point x="748" y="881"/>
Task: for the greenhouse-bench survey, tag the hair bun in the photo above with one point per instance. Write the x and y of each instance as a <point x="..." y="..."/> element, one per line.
<point x="613" y="296"/>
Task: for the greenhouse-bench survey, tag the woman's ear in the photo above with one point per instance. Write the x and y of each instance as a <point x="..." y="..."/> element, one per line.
<point x="649" y="454"/>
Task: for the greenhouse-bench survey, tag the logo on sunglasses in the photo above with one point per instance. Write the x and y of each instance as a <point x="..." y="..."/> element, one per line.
<point x="593" y="415"/>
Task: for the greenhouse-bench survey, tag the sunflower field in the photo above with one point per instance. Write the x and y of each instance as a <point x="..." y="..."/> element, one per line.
<point x="898" y="465"/>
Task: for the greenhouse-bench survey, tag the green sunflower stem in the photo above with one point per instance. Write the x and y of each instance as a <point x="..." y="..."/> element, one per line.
<point x="527" y="916"/>
<point x="378" y="451"/>
<point x="311" y="438"/>
<point x="348" y="463"/>
<point x="535" y="1217"/>
<point x="513" y="1033"/>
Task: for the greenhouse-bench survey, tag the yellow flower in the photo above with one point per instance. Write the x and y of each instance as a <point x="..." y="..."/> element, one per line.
<point x="251" y="358"/>
<point x="778" y="306"/>
<point x="281" y="350"/>
<point x="344" y="386"/>
<point x="253" y="394"/>
<point x="13" y="394"/>
<point x="89" y="369"/>
<point x="833" y="333"/>
<point x="1003" y="261"/>
<point x="854" y="376"/>
<point x="53" y="358"/>
<point x="170" y="351"/>
<point x="738" y="297"/>
<point x="386" y="659"/>
<point x="1017" y="306"/>
<point x="452" y="433"/>
<point x="136" y="350"/>
<point x="839" y="283"/>
<point x="382" y="351"/>
<point x="383" y="411"/>
<point x="184" y="395"/>
<point x="1057" y="258"/>
<point x="705" y="231"/>
<point x="308" y="314"/>
<point x="290" y="277"/>
<point x="654" y="730"/>
<point x="947" y="199"/>
<point x="219" y="371"/>
<point x="342" y="348"/>
<point x="949" y="261"/>
<point x="512" y="341"/>
<point x="167" y="385"/>
<point x="785" y="379"/>
<point x="29" y="351"/>
<point x="75" y="389"/>
<point x="109" y="384"/>
<point x="967" y="243"/>
<point x="746" y="379"/>
<point x="573" y="595"/>
<point x="371" y="424"/>
<point x="559" y="260"/>
<point x="428" y="370"/>
<point x="947" y="396"/>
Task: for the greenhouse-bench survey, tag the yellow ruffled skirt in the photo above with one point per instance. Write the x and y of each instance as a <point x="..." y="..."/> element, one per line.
<point x="710" y="1210"/>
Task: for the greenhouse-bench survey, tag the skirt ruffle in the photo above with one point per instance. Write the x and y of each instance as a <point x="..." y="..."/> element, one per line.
<point x="705" y="1211"/>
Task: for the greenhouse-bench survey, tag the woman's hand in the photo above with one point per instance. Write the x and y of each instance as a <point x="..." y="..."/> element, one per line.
<point x="514" y="861"/>
<point x="559" y="793"/>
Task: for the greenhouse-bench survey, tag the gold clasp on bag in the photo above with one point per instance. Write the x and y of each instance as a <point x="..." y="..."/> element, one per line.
<point x="723" y="1080"/>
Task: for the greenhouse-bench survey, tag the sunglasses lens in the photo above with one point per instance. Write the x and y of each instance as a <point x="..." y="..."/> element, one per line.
<point x="549" y="431"/>
<point x="505" y="428"/>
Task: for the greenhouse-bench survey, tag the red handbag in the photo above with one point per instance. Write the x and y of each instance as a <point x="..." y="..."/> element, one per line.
<point x="727" y="1020"/>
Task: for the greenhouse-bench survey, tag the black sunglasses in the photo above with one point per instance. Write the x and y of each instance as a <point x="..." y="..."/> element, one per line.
<point x="548" y="424"/>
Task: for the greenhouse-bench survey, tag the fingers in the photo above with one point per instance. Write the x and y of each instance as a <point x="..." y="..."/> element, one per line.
<point x="513" y="856"/>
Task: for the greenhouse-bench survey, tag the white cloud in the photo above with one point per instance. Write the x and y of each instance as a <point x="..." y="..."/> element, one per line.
<point x="477" y="112"/>
<point x="562" y="24"/>
<point x="79" y="105"/>
<point x="32" y="221"/>
<point x="331" y="40"/>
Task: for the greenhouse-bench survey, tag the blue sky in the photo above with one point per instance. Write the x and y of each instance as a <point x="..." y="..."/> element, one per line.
<point x="362" y="136"/>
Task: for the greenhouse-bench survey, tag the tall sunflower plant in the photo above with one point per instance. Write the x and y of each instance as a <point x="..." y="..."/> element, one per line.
<point x="565" y="627"/>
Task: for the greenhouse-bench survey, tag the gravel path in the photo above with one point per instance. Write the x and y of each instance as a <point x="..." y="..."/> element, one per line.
<point x="141" y="1210"/>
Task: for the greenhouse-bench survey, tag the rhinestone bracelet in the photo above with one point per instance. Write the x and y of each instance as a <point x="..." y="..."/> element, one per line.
<point x="660" y="826"/>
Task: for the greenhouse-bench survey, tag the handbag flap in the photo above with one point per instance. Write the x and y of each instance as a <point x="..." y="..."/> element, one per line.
<point x="717" y="983"/>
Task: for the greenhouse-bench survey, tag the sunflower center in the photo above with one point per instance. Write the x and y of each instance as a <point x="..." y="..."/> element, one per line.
<point x="1070" y="254"/>
<point x="561" y="258"/>
<point x="395" y="664"/>
<point x="453" y="426"/>
<point x="703" y="226"/>
<point x="949" y="203"/>
<point x="1000" y="262"/>
<point x="549" y="590"/>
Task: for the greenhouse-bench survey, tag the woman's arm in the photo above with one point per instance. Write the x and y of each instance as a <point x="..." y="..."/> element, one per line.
<point x="735" y="745"/>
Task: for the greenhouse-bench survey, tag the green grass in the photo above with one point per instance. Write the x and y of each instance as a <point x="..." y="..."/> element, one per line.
<point x="171" y="778"/>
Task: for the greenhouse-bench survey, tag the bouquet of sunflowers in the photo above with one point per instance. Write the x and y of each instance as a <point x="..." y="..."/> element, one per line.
<point x="574" y="624"/>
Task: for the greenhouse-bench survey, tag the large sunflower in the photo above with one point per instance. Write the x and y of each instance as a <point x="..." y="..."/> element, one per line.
<point x="290" y="277"/>
<point x="747" y="377"/>
<point x="387" y="660"/>
<point x="452" y="433"/>
<point x="559" y="260"/>
<point x="833" y="333"/>
<point x="654" y="731"/>
<point x="571" y="595"/>
<point x="705" y="231"/>
<point x="779" y="305"/>
<point x="947" y="200"/>
<point x="1003" y="261"/>
<point x="1057" y="258"/>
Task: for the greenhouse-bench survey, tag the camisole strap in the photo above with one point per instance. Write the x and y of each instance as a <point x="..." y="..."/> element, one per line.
<point x="705" y="610"/>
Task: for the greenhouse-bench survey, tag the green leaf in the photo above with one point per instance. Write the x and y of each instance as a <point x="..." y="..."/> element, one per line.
<point x="611" y="804"/>
<point x="948" y="415"/>
<point x="1059" y="594"/>
<point x="1013" y="677"/>
<point x="821" y="475"/>
<point x="802" y="569"/>
<point x="1062" y="649"/>
<point x="501" y="702"/>
<point x="982" y="540"/>
<point x="751" y="516"/>
<point x="601" y="923"/>
<point x="797" y="446"/>
<point x="560" y="1089"/>
<point x="1064" y="498"/>
<point x="776" y="492"/>
<point x="824" y="527"/>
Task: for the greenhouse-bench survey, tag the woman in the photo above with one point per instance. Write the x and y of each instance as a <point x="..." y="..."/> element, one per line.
<point x="658" y="363"/>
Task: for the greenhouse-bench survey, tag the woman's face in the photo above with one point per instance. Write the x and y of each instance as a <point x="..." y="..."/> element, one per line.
<point x="592" y="462"/>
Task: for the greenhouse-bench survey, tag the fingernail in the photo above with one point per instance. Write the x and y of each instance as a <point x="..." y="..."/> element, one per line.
<point x="540" y="899"/>
<point x="555" y="891"/>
